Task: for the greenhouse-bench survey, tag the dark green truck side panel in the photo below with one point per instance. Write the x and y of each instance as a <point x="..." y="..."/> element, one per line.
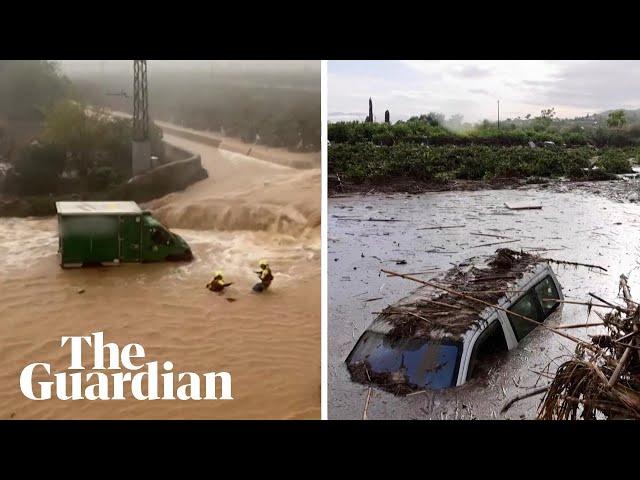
<point x="130" y="238"/>
<point x="89" y="239"/>
<point x="105" y="238"/>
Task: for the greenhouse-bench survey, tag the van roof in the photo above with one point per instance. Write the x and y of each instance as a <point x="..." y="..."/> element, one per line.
<point x="430" y="312"/>
<point x="98" y="208"/>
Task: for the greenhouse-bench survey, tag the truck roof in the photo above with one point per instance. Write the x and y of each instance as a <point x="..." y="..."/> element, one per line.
<point x="98" y="208"/>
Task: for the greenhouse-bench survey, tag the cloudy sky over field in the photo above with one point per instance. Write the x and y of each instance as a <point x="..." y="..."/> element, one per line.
<point x="473" y="87"/>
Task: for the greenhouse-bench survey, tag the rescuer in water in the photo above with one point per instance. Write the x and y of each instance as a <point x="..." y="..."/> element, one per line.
<point x="265" y="276"/>
<point x="217" y="283"/>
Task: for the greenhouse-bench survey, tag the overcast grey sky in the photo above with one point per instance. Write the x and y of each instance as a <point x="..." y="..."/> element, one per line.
<point x="80" y="66"/>
<point x="472" y="87"/>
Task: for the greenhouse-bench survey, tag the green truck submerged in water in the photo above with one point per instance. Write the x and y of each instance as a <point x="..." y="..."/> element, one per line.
<point x="110" y="233"/>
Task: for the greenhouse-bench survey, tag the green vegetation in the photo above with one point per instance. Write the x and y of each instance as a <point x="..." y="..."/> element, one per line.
<point x="363" y="161"/>
<point x="422" y="148"/>
<point x="56" y="147"/>
<point x="538" y="130"/>
<point x="78" y="151"/>
<point x="93" y="139"/>
<point x="616" y="119"/>
<point x="38" y="166"/>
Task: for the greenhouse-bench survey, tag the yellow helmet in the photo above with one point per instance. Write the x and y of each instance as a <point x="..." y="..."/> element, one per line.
<point x="218" y="275"/>
<point x="263" y="264"/>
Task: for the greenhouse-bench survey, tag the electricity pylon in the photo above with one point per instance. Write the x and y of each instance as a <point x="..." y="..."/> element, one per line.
<point x="141" y="147"/>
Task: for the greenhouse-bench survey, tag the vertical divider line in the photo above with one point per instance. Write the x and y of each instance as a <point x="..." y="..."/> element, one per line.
<point x="323" y="244"/>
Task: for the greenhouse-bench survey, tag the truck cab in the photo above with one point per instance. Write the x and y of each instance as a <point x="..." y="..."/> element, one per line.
<point x="110" y="233"/>
<point x="159" y="243"/>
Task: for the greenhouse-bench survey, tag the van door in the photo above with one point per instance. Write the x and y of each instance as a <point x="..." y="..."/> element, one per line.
<point x="130" y="238"/>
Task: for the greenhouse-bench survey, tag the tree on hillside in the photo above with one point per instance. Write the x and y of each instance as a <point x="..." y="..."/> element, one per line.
<point x="94" y="139"/>
<point x="548" y="113"/>
<point x="68" y="125"/>
<point x="616" y="119"/>
<point x="432" y="118"/>
<point x="38" y="167"/>
<point x="544" y="121"/>
<point x="29" y="87"/>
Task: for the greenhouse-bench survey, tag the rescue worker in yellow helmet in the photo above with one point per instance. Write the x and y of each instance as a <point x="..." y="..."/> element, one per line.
<point x="217" y="283"/>
<point x="265" y="275"/>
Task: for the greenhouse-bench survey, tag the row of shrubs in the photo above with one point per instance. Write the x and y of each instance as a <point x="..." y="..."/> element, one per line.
<point x="509" y="135"/>
<point x="362" y="161"/>
<point x="39" y="167"/>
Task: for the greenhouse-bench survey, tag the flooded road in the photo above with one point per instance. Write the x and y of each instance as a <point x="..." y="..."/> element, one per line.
<point x="246" y="210"/>
<point x="573" y="226"/>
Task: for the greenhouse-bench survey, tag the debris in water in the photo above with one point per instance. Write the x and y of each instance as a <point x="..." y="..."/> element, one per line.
<point x="372" y="299"/>
<point x="366" y="405"/>
<point x="439" y="227"/>
<point x="495" y="243"/>
<point x="517" y="398"/>
<point x="81" y="290"/>
<point x="522" y="206"/>
<point x="603" y="380"/>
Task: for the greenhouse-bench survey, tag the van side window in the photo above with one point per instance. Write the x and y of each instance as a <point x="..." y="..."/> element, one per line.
<point x="547" y="289"/>
<point x="160" y="236"/>
<point x="527" y="306"/>
<point x="533" y="305"/>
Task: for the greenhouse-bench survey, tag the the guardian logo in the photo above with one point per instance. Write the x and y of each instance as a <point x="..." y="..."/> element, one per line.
<point x="108" y="379"/>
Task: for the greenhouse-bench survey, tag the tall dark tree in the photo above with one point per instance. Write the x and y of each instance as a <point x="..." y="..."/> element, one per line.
<point x="370" y="117"/>
<point x="386" y="117"/>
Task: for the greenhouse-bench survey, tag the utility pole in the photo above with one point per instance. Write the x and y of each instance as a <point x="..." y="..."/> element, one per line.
<point x="498" y="114"/>
<point x="141" y="146"/>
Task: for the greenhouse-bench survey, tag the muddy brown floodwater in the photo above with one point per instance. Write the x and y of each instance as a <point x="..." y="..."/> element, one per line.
<point x="574" y="226"/>
<point x="246" y="210"/>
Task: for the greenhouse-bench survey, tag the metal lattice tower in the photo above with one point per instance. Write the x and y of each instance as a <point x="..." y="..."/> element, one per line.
<point x="140" y="101"/>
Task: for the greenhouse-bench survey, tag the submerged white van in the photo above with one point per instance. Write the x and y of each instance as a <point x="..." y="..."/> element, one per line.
<point x="433" y="339"/>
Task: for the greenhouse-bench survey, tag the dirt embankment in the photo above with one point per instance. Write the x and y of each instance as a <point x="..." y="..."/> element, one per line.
<point x="406" y="185"/>
<point x="622" y="189"/>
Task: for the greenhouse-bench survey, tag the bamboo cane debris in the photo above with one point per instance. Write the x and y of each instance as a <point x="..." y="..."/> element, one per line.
<point x="441" y="227"/>
<point x="603" y="382"/>
<point x="522" y="206"/>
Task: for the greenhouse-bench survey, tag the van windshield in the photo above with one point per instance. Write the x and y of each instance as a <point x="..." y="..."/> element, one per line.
<point x="159" y="234"/>
<point x="414" y="362"/>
